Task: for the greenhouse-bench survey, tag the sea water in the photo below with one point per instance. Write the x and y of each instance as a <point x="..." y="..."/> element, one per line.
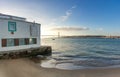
<point x="81" y="53"/>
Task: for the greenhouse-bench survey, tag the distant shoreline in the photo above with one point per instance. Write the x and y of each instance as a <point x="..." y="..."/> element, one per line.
<point x="113" y="37"/>
<point x="84" y="36"/>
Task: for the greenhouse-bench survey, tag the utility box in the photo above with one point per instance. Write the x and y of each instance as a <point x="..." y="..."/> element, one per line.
<point x="16" y="33"/>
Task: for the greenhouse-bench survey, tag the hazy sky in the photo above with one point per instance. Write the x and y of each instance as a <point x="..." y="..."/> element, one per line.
<point x="69" y="17"/>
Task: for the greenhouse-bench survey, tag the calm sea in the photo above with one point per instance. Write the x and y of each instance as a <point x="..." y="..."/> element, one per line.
<point x="82" y="53"/>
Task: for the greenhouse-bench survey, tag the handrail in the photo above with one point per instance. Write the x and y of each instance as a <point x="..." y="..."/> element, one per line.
<point x="12" y="17"/>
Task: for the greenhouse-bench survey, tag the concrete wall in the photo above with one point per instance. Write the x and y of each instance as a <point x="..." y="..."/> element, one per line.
<point x="23" y="31"/>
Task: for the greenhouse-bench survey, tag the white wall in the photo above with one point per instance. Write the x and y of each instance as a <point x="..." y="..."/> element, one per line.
<point x="23" y="31"/>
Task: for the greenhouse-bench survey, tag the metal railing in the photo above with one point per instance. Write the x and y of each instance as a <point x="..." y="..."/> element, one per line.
<point x="4" y="16"/>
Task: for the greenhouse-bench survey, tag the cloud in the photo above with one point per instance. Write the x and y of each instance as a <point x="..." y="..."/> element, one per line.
<point x="71" y="28"/>
<point x="52" y="24"/>
<point x="68" y="13"/>
<point x="55" y="21"/>
<point x="100" y="29"/>
<point x="74" y="6"/>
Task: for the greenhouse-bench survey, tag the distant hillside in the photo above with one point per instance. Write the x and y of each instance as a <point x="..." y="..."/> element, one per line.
<point x="91" y="36"/>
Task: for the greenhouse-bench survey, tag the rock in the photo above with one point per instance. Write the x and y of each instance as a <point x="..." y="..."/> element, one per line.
<point x="31" y="52"/>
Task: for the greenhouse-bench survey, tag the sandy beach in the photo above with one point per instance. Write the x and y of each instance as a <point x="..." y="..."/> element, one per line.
<point x="28" y="68"/>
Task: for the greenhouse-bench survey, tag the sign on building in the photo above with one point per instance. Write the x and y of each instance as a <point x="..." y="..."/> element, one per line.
<point x="33" y="31"/>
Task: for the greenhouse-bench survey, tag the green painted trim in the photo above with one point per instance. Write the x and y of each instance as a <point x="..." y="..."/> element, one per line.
<point x="13" y="23"/>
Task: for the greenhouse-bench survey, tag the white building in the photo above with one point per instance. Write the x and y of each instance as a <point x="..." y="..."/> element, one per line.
<point x="16" y="33"/>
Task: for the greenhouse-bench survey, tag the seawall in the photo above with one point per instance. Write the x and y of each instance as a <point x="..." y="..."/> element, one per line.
<point x="30" y="52"/>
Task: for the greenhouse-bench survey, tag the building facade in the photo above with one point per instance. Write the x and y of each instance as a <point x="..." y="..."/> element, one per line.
<point x="16" y="33"/>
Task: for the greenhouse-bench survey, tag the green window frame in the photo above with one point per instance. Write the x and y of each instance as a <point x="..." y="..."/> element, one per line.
<point x="12" y="26"/>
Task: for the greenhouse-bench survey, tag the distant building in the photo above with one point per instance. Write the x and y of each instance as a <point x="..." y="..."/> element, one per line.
<point x="17" y="33"/>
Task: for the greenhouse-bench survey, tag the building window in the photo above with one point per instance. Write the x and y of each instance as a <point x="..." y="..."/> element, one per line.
<point x="32" y="41"/>
<point x="4" y="42"/>
<point x="16" y="42"/>
<point x="11" y="26"/>
<point x="10" y="42"/>
<point x="21" y="41"/>
<point x="26" y="41"/>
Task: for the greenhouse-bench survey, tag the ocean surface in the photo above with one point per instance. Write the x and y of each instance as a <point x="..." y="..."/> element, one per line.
<point x="82" y="53"/>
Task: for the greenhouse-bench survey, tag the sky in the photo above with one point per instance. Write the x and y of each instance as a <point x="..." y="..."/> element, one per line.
<point x="69" y="17"/>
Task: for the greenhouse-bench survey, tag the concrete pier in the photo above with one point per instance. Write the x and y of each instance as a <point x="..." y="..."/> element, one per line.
<point x="31" y="52"/>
